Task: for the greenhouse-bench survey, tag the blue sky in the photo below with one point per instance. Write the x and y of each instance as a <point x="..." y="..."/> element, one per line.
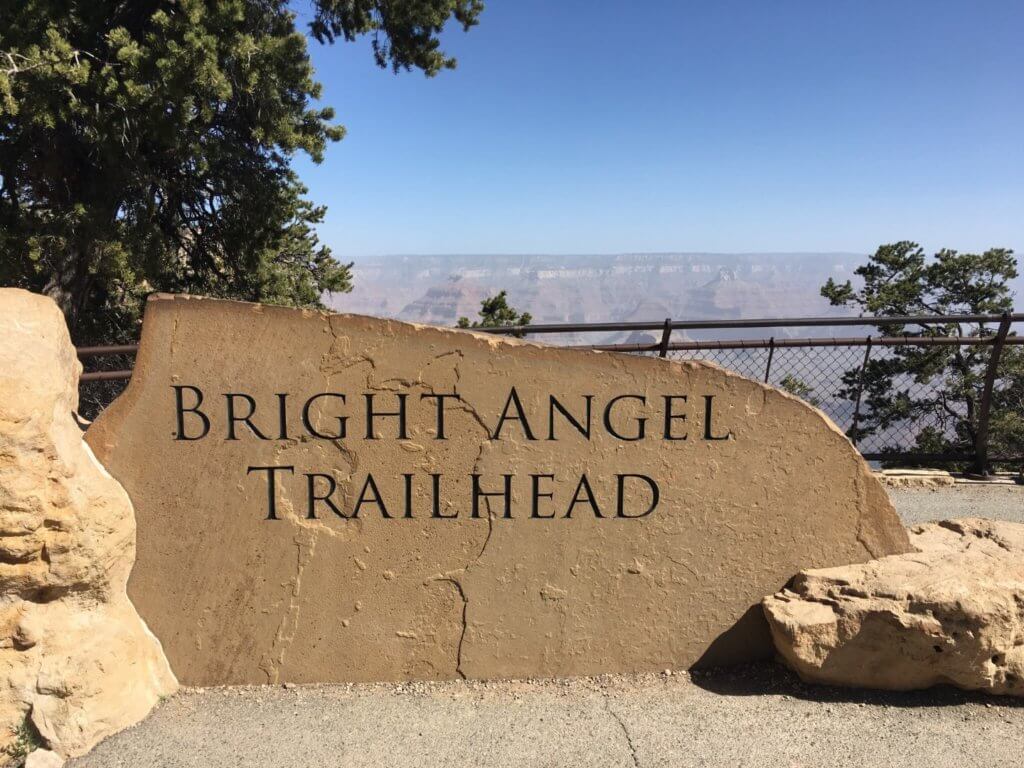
<point x="597" y="127"/>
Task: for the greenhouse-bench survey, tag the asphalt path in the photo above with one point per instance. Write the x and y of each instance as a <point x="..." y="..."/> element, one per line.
<point x="759" y="715"/>
<point x="996" y="502"/>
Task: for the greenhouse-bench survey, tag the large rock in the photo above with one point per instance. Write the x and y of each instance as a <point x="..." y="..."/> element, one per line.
<point x="76" y="661"/>
<point x="340" y="585"/>
<point x="952" y="612"/>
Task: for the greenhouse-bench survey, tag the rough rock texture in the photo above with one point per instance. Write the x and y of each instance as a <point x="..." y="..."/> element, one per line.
<point x="916" y="478"/>
<point x="75" y="658"/>
<point x="43" y="758"/>
<point x="236" y="597"/>
<point x="951" y="613"/>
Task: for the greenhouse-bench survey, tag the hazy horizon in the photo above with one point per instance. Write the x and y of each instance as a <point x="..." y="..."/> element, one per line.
<point x="482" y="257"/>
<point x="608" y="287"/>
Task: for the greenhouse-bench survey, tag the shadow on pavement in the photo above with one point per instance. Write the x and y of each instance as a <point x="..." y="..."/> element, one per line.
<point x="770" y="678"/>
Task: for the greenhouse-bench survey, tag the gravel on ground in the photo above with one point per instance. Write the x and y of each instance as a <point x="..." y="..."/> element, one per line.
<point x="996" y="502"/>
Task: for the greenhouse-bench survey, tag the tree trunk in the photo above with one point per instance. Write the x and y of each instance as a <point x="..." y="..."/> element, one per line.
<point x="70" y="286"/>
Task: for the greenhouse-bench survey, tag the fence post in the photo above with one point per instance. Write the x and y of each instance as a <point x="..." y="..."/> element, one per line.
<point x="771" y="354"/>
<point x="665" y="335"/>
<point x="981" y="436"/>
<point x="860" y="391"/>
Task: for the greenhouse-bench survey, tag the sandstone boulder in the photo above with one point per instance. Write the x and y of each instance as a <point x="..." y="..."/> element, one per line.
<point x="76" y="661"/>
<point x="951" y="613"/>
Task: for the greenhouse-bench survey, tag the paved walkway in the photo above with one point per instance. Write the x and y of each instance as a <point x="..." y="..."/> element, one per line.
<point x="996" y="502"/>
<point x="754" y="716"/>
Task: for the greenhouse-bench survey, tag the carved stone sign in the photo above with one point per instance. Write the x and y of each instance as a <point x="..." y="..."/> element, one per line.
<point x="341" y="498"/>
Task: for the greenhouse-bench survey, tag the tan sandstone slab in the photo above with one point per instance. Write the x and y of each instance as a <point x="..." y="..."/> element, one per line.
<point x="76" y="662"/>
<point x="950" y="613"/>
<point x="402" y="576"/>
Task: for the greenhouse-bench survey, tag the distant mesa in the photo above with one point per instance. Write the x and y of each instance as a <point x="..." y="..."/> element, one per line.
<point x="590" y="288"/>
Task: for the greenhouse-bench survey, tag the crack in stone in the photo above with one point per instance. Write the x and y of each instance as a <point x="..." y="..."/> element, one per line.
<point x="338" y="359"/>
<point x="450" y="579"/>
<point x="466" y="407"/>
<point x="334" y="355"/>
<point x="388" y="385"/>
<point x="683" y="564"/>
<point x="289" y="625"/>
<point x="461" y="404"/>
<point x="174" y="338"/>
<point x="455" y="368"/>
<point x="487" y="539"/>
<point x="625" y="732"/>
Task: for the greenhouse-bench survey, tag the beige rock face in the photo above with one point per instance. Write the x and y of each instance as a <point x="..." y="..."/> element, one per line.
<point x="76" y="659"/>
<point x="951" y="613"/>
<point x="566" y="579"/>
<point x="43" y="758"/>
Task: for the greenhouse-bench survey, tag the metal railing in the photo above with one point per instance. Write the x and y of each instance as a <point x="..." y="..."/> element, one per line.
<point x="85" y="353"/>
<point x="821" y="362"/>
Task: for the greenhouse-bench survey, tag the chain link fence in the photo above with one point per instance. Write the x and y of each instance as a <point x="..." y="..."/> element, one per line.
<point x="823" y="377"/>
<point x="813" y="373"/>
<point x="95" y="394"/>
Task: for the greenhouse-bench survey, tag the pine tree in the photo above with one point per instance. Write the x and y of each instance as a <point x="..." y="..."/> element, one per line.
<point x="495" y="312"/>
<point x="939" y="386"/>
<point x="147" y="146"/>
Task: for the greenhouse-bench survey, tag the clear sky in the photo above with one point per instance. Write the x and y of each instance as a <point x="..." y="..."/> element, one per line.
<point x="584" y="126"/>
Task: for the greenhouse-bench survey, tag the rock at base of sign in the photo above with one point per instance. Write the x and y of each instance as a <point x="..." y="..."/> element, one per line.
<point x="916" y="478"/>
<point x="950" y="613"/>
<point x="76" y="662"/>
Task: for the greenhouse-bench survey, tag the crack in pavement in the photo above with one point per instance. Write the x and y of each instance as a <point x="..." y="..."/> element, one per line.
<point x="625" y="732"/>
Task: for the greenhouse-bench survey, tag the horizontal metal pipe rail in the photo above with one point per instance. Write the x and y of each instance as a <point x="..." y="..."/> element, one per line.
<point x="105" y="376"/>
<point x="764" y="322"/>
<point x="936" y="458"/>
<point x="857" y="341"/>
<point x="111" y="349"/>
